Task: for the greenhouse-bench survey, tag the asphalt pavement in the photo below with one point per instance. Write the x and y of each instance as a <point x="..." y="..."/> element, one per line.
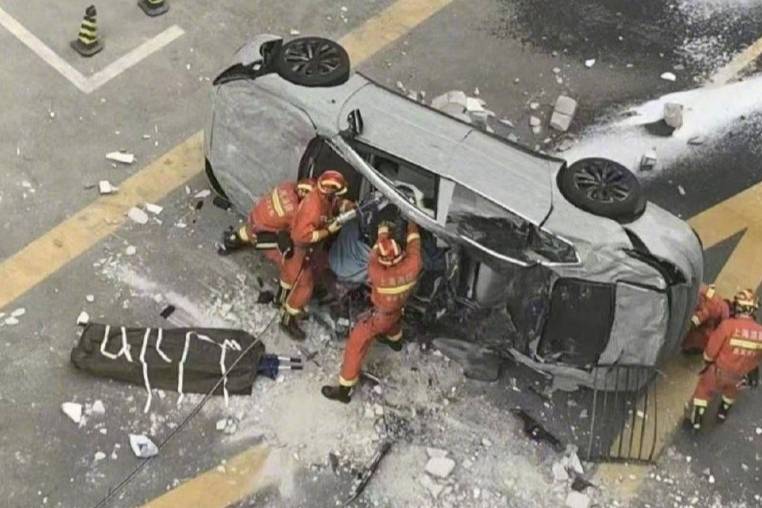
<point x="53" y="145"/>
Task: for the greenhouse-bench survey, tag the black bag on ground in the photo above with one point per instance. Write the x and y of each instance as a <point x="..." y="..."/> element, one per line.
<point x="187" y="360"/>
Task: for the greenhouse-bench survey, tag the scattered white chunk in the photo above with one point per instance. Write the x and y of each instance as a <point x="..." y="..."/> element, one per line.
<point x="89" y="298"/>
<point x="11" y="321"/>
<point x="98" y="407"/>
<point x="18" y="312"/>
<point x="441" y="467"/>
<point x="577" y="500"/>
<point x="130" y="250"/>
<point x="153" y="208"/>
<point x="668" y="76"/>
<point x="105" y="187"/>
<point x="589" y="62"/>
<point x="121" y="157"/>
<point x="203" y="194"/>
<point x="73" y="411"/>
<point x="142" y="446"/>
<point x="137" y="215"/>
<point x="83" y="318"/>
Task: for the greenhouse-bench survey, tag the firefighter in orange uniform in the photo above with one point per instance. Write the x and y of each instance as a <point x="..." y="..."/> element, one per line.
<point x="270" y="217"/>
<point x="312" y="223"/>
<point x="392" y="274"/>
<point x="733" y="352"/>
<point x="711" y="310"/>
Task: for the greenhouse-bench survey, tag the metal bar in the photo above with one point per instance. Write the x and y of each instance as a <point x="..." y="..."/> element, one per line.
<point x="592" y="417"/>
<point x="616" y="405"/>
<point x="601" y="453"/>
<point x="645" y="415"/>
<point x="656" y="426"/>
<point x="634" y="399"/>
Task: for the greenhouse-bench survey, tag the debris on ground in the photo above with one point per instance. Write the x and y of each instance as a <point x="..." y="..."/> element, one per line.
<point x="228" y="425"/>
<point x="203" y="194"/>
<point x="563" y="113"/>
<point x="121" y="157"/>
<point x="89" y="298"/>
<point x="142" y="446"/>
<point x="73" y="411"/>
<point x="648" y="161"/>
<point x="98" y="408"/>
<point x="468" y="109"/>
<point x="105" y="187"/>
<point x="367" y="474"/>
<point x="137" y="215"/>
<point x="167" y="311"/>
<point x="534" y="430"/>
<point x="565" y="143"/>
<point x="441" y="467"/>
<point x="673" y="114"/>
<point x="131" y="250"/>
<point x="153" y="208"/>
<point x="589" y="62"/>
<point x="681" y="190"/>
<point x="83" y="318"/>
<point x="668" y="76"/>
<point x="99" y="456"/>
<point x="577" y="500"/>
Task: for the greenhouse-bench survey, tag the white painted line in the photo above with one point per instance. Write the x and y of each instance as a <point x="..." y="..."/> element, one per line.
<point x="730" y="70"/>
<point x="135" y="56"/>
<point x="44" y="52"/>
<point x="100" y="78"/>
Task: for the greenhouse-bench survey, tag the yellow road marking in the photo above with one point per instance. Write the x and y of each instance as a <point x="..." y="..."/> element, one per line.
<point x="242" y="475"/>
<point x="48" y="253"/>
<point x="740" y="213"/>
<point x="737" y="64"/>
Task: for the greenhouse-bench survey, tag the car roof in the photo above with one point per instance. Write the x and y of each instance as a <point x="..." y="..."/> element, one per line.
<point x="507" y="173"/>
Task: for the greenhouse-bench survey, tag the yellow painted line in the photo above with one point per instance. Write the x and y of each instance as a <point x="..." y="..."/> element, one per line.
<point x="739" y="213"/>
<point x="728" y="72"/>
<point x="241" y="475"/>
<point x="50" y="252"/>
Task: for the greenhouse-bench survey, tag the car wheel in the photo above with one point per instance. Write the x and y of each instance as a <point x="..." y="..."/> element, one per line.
<point x="213" y="180"/>
<point x="313" y="61"/>
<point x="602" y="187"/>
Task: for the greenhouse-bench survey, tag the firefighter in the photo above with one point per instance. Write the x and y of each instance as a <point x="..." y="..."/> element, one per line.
<point x="312" y="223"/>
<point x="269" y="220"/>
<point x="392" y="273"/>
<point x="711" y="310"/>
<point x="733" y="352"/>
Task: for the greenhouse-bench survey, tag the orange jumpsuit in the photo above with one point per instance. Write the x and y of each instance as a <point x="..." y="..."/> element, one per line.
<point x="735" y="347"/>
<point x="391" y="286"/>
<point x="711" y="310"/>
<point x="308" y="230"/>
<point x="273" y="213"/>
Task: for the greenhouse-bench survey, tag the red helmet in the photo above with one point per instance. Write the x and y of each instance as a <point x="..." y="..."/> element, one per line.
<point x="305" y="186"/>
<point x="332" y="182"/>
<point x="389" y="251"/>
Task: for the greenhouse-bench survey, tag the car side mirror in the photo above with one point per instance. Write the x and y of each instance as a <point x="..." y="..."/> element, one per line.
<point x="355" y="124"/>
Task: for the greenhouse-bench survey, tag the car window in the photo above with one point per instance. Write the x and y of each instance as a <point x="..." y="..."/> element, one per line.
<point x="482" y="221"/>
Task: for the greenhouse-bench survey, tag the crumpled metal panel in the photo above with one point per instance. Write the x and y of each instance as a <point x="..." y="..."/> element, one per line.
<point x="641" y="317"/>
<point x="258" y="141"/>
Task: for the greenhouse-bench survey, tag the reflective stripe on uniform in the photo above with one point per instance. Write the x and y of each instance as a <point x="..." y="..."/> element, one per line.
<point x="746" y="344"/>
<point x="277" y="205"/>
<point x="395" y="290"/>
<point x="396" y="337"/>
<point x="290" y="310"/>
<point x="728" y="401"/>
<point x="700" y="403"/>
<point x="285" y="285"/>
<point x="413" y="236"/>
<point x="710" y="292"/>
<point x="347" y="382"/>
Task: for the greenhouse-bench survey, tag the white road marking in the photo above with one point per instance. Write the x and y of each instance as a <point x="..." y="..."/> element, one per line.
<point x="87" y="84"/>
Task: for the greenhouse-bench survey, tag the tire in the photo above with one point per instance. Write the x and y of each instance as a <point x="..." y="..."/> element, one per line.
<point x="602" y="187"/>
<point x="313" y="61"/>
<point x="216" y="187"/>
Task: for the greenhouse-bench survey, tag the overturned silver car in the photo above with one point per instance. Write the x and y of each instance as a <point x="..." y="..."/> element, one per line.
<point x="589" y="273"/>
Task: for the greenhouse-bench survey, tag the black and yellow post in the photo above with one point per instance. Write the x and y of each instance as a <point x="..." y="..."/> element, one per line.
<point x="154" y="7"/>
<point x="87" y="43"/>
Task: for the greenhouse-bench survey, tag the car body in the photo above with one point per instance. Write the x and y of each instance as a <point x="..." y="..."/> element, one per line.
<point x="583" y="291"/>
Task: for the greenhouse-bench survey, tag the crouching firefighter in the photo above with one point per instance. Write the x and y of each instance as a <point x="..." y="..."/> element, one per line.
<point x="269" y="222"/>
<point x="711" y="310"/>
<point x="313" y="222"/>
<point x="392" y="273"/>
<point x="733" y="352"/>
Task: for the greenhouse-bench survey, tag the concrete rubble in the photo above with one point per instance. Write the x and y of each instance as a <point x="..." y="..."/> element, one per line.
<point x="83" y="318"/>
<point x="73" y="411"/>
<point x="441" y="467"/>
<point x="668" y="76"/>
<point x="648" y="161"/>
<point x="468" y="109"/>
<point x="105" y="187"/>
<point x="121" y="157"/>
<point x="137" y="215"/>
<point x="563" y="113"/>
<point x="142" y="446"/>
<point x="577" y="500"/>
<point x="673" y="114"/>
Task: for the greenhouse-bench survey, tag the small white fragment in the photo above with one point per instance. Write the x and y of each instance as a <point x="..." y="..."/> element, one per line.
<point x="11" y="321"/>
<point x="98" y="407"/>
<point x="589" y="62"/>
<point x="476" y="91"/>
<point x="153" y="208"/>
<point x="203" y="194"/>
<point x="26" y="184"/>
<point x="758" y="431"/>
<point x="711" y="479"/>
<point x="556" y="70"/>
<point x="89" y="298"/>
<point x="142" y="446"/>
<point x="294" y="32"/>
<point x="122" y="157"/>
<point x="73" y="411"/>
<point x="534" y="121"/>
<point x="105" y="187"/>
<point x="137" y="215"/>
<point x="668" y="76"/>
<point x="18" y="312"/>
<point x="682" y="193"/>
<point x="577" y="500"/>
<point x="83" y="318"/>
<point x="440" y="467"/>
<point x="130" y="250"/>
<point x="648" y="162"/>
<point x="99" y="456"/>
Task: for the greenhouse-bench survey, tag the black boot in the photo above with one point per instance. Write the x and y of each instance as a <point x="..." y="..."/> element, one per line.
<point x="396" y="345"/>
<point x="231" y="240"/>
<point x="694" y="417"/>
<point x="339" y="393"/>
<point x="289" y="325"/>
<point x="722" y="412"/>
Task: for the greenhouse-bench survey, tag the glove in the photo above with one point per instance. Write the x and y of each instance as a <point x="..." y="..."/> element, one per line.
<point x="333" y="227"/>
<point x="752" y="378"/>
